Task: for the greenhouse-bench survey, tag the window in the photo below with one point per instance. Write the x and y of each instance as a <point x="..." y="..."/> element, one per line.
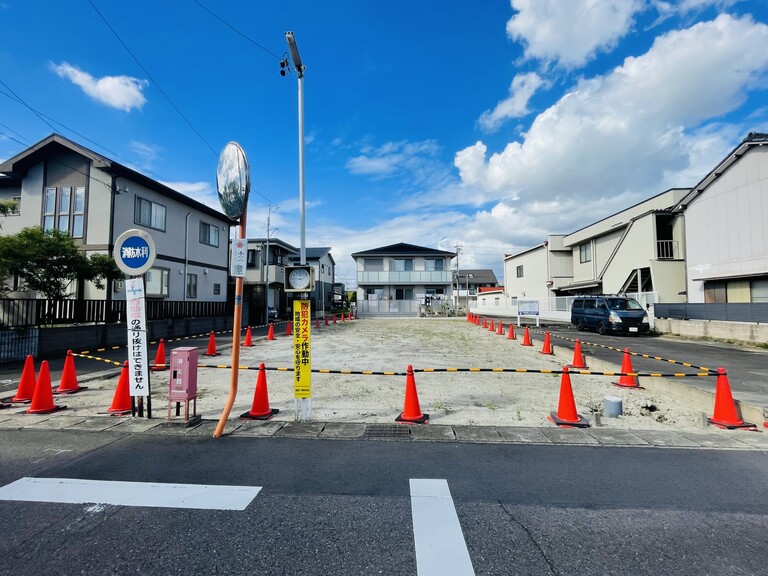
<point x="759" y="289"/>
<point x="157" y="282"/>
<point x="191" y="285"/>
<point x="251" y="258"/>
<point x="373" y="264"/>
<point x="149" y="214"/>
<point x="216" y="289"/>
<point x="403" y="293"/>
<point x="404" y="265"/>
<point x="519" y="271"/>
<point x="715" y="292"/>
<point x="64" y="211"/>
<point x="437" y="264"/>
<point x="209" y="234"/>
<point x="585" y="252"/>
<point x="16" y="208"/>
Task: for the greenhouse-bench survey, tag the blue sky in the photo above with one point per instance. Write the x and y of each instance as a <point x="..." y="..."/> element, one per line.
<point x="440" y="123"/>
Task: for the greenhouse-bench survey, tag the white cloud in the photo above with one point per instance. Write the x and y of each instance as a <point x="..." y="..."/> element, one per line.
<point x="570" y="32"/>
<point x="522" y="88"/>
<point x="121" y="92"/>
<point x="393" y="158"/>
<point x="622" y="132"/>
<point x="203" y="192"/>
<point x="146" y="153"/>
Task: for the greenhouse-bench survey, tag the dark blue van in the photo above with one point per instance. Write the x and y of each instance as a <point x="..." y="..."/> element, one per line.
<point x="609" y="313"/>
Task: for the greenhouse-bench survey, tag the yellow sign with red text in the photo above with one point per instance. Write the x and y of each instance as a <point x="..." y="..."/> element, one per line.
<point x="302" y="365"/>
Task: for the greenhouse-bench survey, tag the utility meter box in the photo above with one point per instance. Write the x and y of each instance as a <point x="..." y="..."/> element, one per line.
<point x="183" y="384"/>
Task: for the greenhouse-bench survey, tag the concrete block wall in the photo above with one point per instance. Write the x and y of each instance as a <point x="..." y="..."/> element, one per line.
<point x="742" y="331"/>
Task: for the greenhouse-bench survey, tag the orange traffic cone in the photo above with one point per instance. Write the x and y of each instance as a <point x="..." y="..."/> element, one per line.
<point x="260" y="409"/>
<point x="566" y="415"/>
<point x="317" y="323"/>
<point x="68" y="383"/>
<point x="271" y="332"/>
<point x="547" y="347"/>
<point x="491" y="326"/>
<point x="26" y="387"/>
<point x="511" y="333"/>
<point x="326" y="320"/>
<point x="527" y="338"/>
<point x="334" y="318"/>
<point x="578" y="357"/>
<point x="627" y="381"/>
<point x="411" y="410"/>
<point x="160" y="363"/>
<point x="342" y="317"/>
<point x="500" y="330"/>
<point x="211" y="346"/>
<point x="288" y="328"/>
<point x="485" y="323"/>
<point x="42" y="399"/>
<point x="248" y="338"/>
<point x="121" y="401"/>
<point x="726" y="415"/>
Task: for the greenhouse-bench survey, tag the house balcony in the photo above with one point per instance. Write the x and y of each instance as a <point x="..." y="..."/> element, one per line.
<point x="667" y="250"/>
<point x="409" y="277"/>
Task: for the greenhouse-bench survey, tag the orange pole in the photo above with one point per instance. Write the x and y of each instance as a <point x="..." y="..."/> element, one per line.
<point x="238" y="318"/>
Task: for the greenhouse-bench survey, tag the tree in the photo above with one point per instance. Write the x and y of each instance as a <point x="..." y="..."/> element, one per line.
<point x="49" y="261"/>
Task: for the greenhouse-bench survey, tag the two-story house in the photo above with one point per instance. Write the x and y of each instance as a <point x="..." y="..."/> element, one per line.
<point x="467" y="284"/>
<point x="639" y="250"/>
<point x="396" y="280"/>
<point x="726" y="228"/>
<point x="265" y="275"/>
<point x="59" y="184"/>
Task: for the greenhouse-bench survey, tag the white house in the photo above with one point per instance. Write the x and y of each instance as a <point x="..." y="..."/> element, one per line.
<point x="726" y="228"/>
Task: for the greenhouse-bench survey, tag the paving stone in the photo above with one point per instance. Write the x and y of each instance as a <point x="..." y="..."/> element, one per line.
<point x="56" y="422"/>
<point x="343" y="430"/>
<point x="134" y="424"/>
<point x="728" y="439"/>
<point x="665" y="438"/>
<point x="259" y="428"/>
<point x="616" y="437"/>
<point x="98" y="424"/>
<point x="521" y="435"/>
<point x="433" y="433"/>
<point x="301" y="429"/>
<point x="477" y="434"/>
<point x="568" y="435"/>
<point x="12" y="422"/>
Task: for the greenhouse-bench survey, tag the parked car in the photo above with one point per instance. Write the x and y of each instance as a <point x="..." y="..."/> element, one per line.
<point x="272" y="313"/>
<point x="609" y="313"/>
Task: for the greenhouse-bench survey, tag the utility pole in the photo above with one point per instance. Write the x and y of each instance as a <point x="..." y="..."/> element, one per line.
<point x="458" y="285"/>
<point x="266" y="267"/>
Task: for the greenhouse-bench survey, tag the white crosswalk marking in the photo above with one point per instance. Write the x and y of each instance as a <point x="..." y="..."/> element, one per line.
<point x="439" y="541"/>
<point x="157" y="495"/>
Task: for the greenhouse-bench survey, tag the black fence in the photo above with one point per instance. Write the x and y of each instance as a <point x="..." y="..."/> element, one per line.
<point x="23" y="313"/>
<point x="732" y="312"/>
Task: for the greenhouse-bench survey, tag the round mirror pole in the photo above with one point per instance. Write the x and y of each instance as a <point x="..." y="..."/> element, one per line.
<point x="233" y="182"/>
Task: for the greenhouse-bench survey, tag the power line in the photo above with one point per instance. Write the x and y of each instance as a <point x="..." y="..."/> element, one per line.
<point x="231" y="27"/>
<point x="152" y="79"/>
<point x="19" y="99"/>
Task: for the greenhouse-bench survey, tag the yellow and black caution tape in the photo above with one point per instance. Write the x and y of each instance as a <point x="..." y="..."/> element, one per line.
<point x="636" y="354"/>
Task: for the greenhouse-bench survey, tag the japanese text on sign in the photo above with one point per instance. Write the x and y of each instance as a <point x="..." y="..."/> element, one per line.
<point x="138" y="369"/>
<point x="302" y="365"/>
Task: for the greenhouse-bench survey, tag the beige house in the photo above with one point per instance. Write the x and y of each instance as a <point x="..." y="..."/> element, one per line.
<point x="726" y="228"/>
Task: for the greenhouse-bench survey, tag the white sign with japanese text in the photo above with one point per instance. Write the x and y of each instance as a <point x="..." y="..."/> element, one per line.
<point x="239" y="258"/>
<point x="136" y="319"/>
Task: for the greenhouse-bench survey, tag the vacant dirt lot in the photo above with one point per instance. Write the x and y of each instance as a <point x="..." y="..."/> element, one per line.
<point x="480" y="398"/>
<point x="473" y="398"/>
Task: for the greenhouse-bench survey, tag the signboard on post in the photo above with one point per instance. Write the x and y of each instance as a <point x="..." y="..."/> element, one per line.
<point x="134" y="255"/>
<point x="239" y="258"/>
<point x="138" y="367"/>
<point x="302" y="364"/>
<point x="527" y="308"/>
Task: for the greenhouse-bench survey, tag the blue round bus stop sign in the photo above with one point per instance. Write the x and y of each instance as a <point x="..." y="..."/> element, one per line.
<point x="134" y="252"/>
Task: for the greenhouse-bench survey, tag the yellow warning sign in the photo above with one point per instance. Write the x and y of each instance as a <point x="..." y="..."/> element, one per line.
<point x="302" y="365"/>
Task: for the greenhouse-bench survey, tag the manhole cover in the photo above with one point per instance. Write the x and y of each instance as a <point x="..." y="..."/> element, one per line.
<point x="386" y="431"/>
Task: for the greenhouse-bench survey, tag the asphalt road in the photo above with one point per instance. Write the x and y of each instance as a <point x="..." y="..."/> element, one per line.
<point x="347" y="507"/>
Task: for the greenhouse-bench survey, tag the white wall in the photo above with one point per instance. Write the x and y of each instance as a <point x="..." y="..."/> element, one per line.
<point x="727" y="225"/>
